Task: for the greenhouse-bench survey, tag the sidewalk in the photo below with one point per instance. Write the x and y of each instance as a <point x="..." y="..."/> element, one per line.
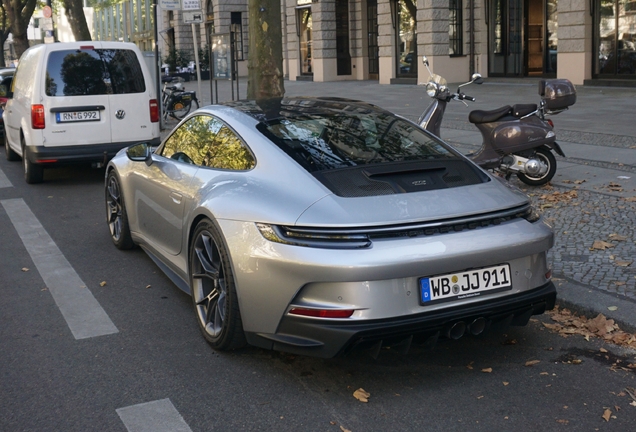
<point x="590" y="199"/>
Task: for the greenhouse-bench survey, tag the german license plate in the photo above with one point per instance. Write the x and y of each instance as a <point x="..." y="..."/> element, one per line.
<point x="463" y="285"/>
<point x="77" y="116"/>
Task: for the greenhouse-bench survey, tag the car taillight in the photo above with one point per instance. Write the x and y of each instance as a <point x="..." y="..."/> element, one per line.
<point x="37" y="116"/>
<point x="154" y="111"/>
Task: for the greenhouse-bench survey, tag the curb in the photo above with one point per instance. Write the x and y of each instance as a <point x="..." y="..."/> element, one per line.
<point x="588" y="301"/>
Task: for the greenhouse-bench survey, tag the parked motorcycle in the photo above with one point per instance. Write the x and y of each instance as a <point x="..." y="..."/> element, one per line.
<point x="517" y="139"/>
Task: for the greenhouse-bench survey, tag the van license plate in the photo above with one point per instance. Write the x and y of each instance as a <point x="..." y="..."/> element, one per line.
<point x="463" y="285"/>
<point x="77" y="116"/>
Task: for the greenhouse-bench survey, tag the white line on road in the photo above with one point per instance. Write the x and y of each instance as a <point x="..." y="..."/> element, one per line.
<point x="4" y="181"/>
<point x="83" y="314"/>
<point x="157" y="416"/>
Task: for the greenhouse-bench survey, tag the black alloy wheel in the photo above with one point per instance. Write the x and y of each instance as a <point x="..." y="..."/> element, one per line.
<point x="213" y="290"/>
<point x="116" y="214"/>
<point x="545" y="156"/>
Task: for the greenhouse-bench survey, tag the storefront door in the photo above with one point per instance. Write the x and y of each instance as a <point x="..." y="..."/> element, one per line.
<point x="406" y="11"/>
<point x="372" y="39"/>
<point x="304" y="32"/>
<point x="615" y="38"/>
<point x="505" y="38"/>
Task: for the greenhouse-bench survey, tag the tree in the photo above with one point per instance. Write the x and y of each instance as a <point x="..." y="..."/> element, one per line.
<point x="76" y="18"/>
<point x="19" y="13"/>
<point x="265" y="63"/>
<point x="4" y="33"/>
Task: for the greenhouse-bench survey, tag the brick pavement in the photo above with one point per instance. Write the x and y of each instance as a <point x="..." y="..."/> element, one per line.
<point x="590" y="198"/>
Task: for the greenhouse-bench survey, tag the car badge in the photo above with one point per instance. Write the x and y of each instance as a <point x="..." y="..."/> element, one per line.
<point x="419" y="183"/>
<point x="120" y="114"/>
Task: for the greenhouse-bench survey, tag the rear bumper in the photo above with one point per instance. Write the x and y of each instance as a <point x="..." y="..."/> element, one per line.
<point x="329" y="338"/>
<point x="51" y="156"/>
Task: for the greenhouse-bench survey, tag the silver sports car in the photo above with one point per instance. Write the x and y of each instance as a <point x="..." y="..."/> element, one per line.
<point x="316" y="225"/>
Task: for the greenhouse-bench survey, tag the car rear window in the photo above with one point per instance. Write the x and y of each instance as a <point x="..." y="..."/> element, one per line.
<point x="346" y="139"/>
<point x="86" y="72"/>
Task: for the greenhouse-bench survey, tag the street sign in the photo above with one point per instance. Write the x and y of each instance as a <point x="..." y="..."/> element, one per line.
<point x="170" y="4"/>
<point x="192" y="17"/>
<point x="191" y="5"/>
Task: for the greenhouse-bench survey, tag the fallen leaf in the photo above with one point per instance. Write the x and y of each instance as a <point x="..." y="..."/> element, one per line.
<point x="623" y="263"/>
<point x="532" y="362"/>
<point x="544" y="373"/>
<point x="24" y="269"/>
<point x="631" y="199"/>
<point x="563" y="421"/>
<point x="361" y="395"/>
<point x="344" y="429"/>
<point x="607" y="414"/>
<point x="612" y="308"/>
<point x="148" y="286"/>
<point x="603" y="350"/>
<point x="579" y="181"/>
<point x="102" y="283"/>
<point x="332" y="423"/>
<point x="487" y="370"/>
<point x="601" y="245"/>
<point x="479" y="397"/>
<point x="505" y="383"/>
<point x="617" y="237"/>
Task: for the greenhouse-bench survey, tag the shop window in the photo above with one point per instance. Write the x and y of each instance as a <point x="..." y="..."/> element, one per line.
<point x="455" y="31"/>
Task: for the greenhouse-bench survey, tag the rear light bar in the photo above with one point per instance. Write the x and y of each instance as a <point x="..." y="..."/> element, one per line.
<point x="37" y="116"/>
<point x="551" y="123"/>
<point x="322" y="313"/>
<point x="154" y="111"/>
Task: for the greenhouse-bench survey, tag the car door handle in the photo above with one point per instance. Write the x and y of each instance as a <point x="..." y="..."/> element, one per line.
<point x="176" y="197"/>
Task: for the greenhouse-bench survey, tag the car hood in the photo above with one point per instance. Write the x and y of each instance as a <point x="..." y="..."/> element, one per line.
<point x="427" y="206"/>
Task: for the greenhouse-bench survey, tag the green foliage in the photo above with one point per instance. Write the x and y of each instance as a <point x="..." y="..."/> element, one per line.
<point x="178" y="58"/>
<point x="204" y="58"/>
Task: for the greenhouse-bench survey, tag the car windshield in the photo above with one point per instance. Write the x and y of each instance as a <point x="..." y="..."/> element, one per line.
<point x="329" y="140"/>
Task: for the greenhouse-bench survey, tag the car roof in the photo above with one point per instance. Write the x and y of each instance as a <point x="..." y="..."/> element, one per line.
<point x="273" y="109"/>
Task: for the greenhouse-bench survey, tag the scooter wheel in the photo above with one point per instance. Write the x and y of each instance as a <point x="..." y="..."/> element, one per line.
<point x="545" y="155"/>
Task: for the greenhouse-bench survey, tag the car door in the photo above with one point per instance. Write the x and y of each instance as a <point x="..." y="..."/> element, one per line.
<point x="130" y="98"/>
<point x="76" y="88"/>
<point x="168" y="185"/>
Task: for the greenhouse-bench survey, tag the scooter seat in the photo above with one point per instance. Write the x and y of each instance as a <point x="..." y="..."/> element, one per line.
<point x="480" y="116"/>
<point x="521" y="110"/>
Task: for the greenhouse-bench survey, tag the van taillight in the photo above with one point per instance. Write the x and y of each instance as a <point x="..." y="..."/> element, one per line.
<point x="37" y="116"/>
<point x="154" y="111"/>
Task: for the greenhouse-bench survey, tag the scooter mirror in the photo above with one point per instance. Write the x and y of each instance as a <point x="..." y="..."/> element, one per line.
<point x="477" y="79"/>
<point x="425" y="60"/>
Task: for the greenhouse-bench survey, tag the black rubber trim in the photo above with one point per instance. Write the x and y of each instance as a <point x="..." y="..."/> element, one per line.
<point x="80" y="153"/>
<point x="340" y="336"/>
<point x="78" y="108"/>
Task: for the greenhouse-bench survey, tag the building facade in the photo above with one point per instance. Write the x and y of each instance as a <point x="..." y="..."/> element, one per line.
<point x="586" y="41"/>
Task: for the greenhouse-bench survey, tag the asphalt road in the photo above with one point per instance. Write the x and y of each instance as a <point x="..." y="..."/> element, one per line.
<point x="157" y="373"/>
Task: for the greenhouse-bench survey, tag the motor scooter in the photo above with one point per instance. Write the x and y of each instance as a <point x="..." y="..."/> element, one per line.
<point x="517" y="139"/>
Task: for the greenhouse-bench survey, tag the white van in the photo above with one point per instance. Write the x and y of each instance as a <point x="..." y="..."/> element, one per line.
<point x="78" y="102"/>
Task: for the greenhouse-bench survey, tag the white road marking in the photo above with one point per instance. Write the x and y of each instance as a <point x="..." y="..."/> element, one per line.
<point x="157" y="416"/>
<point x="83" y="314"/>
<point x="4" y="181"/>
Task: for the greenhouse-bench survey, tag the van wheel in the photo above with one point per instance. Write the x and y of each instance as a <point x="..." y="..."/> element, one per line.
<point x="33" y="173"/>
<point x="8" y="151"/>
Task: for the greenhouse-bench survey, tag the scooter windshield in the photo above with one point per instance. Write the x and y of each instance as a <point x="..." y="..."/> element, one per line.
<point x="438" y="79"/>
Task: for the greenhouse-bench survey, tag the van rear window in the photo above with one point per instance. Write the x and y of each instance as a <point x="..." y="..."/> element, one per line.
<point x="93" y="72"/>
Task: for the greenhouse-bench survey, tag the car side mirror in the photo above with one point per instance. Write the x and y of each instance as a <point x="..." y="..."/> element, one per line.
<point x="140" y="152"/>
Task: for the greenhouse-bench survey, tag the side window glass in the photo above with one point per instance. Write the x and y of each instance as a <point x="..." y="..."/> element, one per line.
<point x="206" y="141"/>
<point x="227" y="151"/>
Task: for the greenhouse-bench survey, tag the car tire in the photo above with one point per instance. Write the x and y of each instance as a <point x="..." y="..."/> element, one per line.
<point x="8" y="151"/>
<point x="116" y="215"/>
<point x="213" y="289"/>
<point x="545" y="155"/>
<point x="33" y="173"/>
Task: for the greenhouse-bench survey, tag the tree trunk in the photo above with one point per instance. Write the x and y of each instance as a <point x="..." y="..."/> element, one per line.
<point x="76" y="18"/>
<point x="265" y="63"/>
<point x="19" y="13"/>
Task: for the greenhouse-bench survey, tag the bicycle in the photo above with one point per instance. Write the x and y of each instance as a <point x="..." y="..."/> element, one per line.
<point x="176" y="101"/>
